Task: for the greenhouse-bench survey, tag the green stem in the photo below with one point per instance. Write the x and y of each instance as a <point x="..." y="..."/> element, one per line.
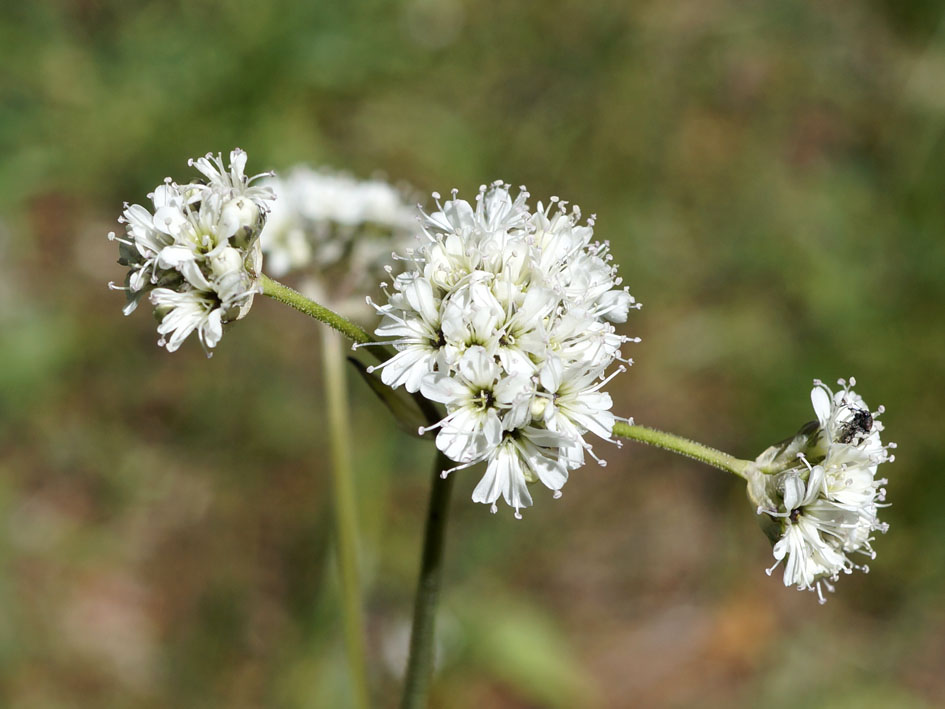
<point x="420" y="663"/>
<point x="683" y="446"/>
<point x="293" y="298"/>
<point x="346" y="522"/>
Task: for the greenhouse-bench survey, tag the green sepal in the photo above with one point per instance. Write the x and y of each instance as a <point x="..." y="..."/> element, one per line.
<point x="783" y="455"/>
<point x="773" y="527"/>
<point x="128" y="254"/>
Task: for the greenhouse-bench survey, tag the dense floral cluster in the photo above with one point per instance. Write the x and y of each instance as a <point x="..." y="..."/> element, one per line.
<point x="824" y="506"/>
<point x="336" y="233"/>
<point x="197" y="256"/>
<point x="504" y="315"/>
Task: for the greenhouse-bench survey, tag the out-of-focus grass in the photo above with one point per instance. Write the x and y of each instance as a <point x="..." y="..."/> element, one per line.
<point x="771" y="176"/>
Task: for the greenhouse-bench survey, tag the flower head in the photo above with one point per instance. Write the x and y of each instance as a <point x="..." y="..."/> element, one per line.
<point x="195" y="253"/>
<point x="818" y="493"/>
<point x="336" y="233"/>
<point x="504" y="315"/>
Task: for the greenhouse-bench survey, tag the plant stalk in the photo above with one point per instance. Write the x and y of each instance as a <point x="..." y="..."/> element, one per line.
<point x="293" y="298"/>
<point x="346" y="521"/>
<point x="683" y="446"/>
<point x="420" y="662"/>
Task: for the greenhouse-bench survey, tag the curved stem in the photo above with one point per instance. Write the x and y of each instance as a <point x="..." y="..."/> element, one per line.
<point x="293" y="298"/>
<point x="682" y="446"/>
<point x="420" y="663"/>
<point x="346" y="522"/>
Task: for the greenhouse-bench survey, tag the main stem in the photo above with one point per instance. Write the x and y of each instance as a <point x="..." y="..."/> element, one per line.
<point x="420" y="663"/>
<point x="682" y="446"/>
<point x="346" y="522"/>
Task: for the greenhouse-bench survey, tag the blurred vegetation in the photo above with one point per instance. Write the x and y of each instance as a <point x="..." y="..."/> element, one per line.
<point x="771" y="176"/>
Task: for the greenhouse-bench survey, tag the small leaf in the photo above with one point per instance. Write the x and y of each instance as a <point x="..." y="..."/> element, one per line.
<point x="407" y="411"/>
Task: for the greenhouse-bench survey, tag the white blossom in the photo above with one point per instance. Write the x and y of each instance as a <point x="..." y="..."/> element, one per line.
<point x="824" y="506"/>
<point x="416" y="324"/>
<point x="196" y="252"/>
<point x="184" y="312"/>
<point x="504" y="315"/>
<point x="524" y="455"/>
<point x="473" y="425"/>
<point x="334" y="234"/>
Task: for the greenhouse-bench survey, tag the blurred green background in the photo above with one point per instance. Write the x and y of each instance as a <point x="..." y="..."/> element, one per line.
<point x="771" y="175"/>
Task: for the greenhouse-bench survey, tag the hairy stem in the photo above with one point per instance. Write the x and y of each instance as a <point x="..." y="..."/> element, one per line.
<point x="420" y="663"/>
<point x="293" y="298"/>
<point x="682" y="446"/>
<point x="346" y="523"/>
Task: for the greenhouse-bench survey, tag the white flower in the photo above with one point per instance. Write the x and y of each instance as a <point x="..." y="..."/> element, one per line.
<point x="571" y="403"/>
<point x="417" y="328"/>
<point x="849" y="427"/>
<point x="184" y="312"/>
<point x="473" y="426"/>
<point x="198" y="254"/>
<point x="504" y="315"/>
<point x="525" y="455"/>
<point x="335" y="233"/>
<point x="233" y="183"/>
<point x="825" y="505"/>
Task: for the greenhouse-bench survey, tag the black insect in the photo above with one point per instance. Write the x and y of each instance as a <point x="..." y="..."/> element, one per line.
<point x="857" y="427"/>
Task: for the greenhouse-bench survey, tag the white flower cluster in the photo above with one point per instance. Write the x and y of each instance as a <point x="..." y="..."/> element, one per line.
<point x="504" y="315"/>
<point x="197" y="256"/>
<point x="830" y="500"/>
<point x="335" y="231"/>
